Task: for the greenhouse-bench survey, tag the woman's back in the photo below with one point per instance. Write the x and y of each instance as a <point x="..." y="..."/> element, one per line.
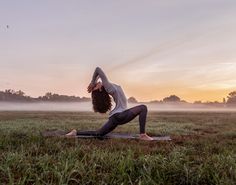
<point x="119" y="99"/>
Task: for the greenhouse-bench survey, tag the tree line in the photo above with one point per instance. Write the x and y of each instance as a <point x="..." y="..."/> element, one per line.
<point x="230" y="101"/>
<point x="20" y="96"/>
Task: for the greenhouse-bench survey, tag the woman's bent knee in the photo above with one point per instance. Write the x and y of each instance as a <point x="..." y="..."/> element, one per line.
<point x="144" y="108"/>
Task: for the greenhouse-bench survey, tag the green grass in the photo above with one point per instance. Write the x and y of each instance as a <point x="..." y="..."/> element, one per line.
<point x="203" y="150"/>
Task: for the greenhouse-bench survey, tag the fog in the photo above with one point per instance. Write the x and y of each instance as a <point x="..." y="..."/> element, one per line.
<point x="45" y="106"/>
<point x="87" y="106"/>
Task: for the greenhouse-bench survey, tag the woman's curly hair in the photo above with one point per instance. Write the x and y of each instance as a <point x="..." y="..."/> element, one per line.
<point x="101" y="100"/>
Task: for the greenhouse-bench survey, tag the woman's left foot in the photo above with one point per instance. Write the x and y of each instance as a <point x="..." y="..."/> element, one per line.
<point x="72" y="133"/>
<point x="145" y="137"/>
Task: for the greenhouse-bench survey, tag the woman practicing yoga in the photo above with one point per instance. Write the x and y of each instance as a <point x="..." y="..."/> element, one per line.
<point x="120" y="114"/>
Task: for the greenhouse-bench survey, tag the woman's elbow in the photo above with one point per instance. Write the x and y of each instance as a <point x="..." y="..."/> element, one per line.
<point x="97" y="68"/>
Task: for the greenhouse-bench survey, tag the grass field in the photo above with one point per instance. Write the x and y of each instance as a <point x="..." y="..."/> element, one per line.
<point x="203" y="150"/>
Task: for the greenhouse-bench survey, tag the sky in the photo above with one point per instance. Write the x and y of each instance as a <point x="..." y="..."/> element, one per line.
<point x="152" y="48"/>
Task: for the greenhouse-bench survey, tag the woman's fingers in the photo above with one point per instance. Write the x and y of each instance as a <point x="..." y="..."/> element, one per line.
<point x="90" y="88"/>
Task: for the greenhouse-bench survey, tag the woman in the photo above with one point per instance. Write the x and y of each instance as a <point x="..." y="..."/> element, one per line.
<point x="120" y="114"/>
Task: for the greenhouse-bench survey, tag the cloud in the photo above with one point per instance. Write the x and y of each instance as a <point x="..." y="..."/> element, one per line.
<point x="182" y="43"/>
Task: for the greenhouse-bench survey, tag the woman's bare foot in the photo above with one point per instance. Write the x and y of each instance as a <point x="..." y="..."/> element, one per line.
<point x="72" y="133"/>
<point x="145" y="137"/>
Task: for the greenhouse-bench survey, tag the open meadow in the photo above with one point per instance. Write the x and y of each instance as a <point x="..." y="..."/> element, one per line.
<point x="202" y="150"/>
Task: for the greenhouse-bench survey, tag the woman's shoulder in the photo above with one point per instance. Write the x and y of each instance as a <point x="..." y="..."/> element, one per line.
<point x="111" y="88"/>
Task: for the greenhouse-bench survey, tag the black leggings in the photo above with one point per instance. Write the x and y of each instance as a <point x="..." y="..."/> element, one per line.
<point x="120" y="119"/>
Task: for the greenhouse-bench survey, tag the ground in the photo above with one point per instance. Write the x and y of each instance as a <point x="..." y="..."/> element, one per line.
<point x="202" y="150"/>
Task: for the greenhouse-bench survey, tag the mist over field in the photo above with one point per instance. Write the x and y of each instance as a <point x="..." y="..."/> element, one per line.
<point x="46" y="106"/>
<point x="87" y="106"/>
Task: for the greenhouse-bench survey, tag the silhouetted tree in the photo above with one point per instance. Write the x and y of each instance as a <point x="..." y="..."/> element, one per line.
<point x="224" y="100"/>
<point x="11" y="95"/>
<point x="155" y="101"/>
<point x="85" y="99"/>
<point x="61" y="98"/>
<point x="48" y="95"/>
<point x="20" y="93"/>
<point x="231" y="98"/>
<point x="172" y="98"/>
<point x="132" y="100"/>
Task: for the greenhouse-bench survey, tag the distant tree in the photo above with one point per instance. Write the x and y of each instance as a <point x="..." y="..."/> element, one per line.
<point x="11" y="95"/>
<point x="197" y="102"/>
<point x="224" y="101"/>
<point x="19" y="96"/>
<point x="132" y="100"/>
<point x="9" y="91"/>
<point x="231" y="98"/>
<point x="48" y="95"/>
<point x="20" y="93"/>
<point x="85" y="99"/>
<point x="171" y="98"/>
<point x="154" y="101"/>
<point x="61" y="98"/>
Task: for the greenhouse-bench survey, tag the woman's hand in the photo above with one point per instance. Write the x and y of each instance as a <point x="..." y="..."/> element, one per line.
<point x="90" y="87"/>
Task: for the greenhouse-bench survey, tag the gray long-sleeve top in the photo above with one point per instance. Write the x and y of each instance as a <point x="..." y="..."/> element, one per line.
<point x="114" y="90"/>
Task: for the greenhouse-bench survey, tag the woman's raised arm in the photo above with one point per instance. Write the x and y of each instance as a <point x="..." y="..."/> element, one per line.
<point x="99" y="73"/>
<point x="105" y="82"/>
